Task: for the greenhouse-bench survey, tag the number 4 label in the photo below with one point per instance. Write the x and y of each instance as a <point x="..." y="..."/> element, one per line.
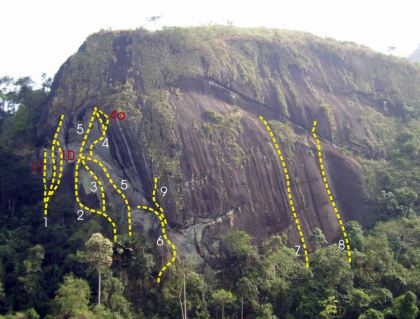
<point x="105" y="143"/>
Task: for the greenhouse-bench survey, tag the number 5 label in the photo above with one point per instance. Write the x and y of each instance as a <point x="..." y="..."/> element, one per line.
<point x="80" y="129"/>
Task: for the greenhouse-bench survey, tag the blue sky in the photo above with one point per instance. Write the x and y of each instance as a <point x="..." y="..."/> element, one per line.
<point x="39" y="35"/>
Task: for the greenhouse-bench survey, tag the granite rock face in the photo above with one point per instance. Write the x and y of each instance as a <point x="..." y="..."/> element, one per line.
<point x="192" y="100"/>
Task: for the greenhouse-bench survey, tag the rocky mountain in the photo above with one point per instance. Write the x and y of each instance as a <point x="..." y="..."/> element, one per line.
<point x="192" y="99"/>
<point x="415" y="56"/>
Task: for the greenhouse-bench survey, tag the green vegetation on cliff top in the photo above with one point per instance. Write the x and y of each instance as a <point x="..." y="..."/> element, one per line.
<point x="256" y="56"/>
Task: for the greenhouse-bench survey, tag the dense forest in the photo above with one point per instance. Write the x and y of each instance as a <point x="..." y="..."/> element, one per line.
<point x="72" y="270"/>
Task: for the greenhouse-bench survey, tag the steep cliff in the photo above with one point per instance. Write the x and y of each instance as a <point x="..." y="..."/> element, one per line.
<point x="193" y="98"/>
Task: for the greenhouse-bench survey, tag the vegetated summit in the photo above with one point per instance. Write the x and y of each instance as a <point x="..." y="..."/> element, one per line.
<point x="192" y="99"/>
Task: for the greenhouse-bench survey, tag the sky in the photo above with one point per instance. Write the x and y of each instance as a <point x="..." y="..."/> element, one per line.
<point x="39" y="35"/>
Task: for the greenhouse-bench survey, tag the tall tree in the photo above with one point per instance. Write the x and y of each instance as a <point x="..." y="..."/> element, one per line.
<point x="5" y="81"/>
<point x="33" y="274"/>
<point x="278" y="258"/>
<point x="176" y="289"/>
<point x="238" y="247"/>
<point x="221" y="298"/>
<point x="182" y="272"/>
<point x="246" y="289"/>
<point x="46" y="83"/>
<point x="208" y="284"/>
<point x="98" y="256"/>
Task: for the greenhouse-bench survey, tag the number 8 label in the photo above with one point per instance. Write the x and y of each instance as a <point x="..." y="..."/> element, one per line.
<point x="341" y="245"/>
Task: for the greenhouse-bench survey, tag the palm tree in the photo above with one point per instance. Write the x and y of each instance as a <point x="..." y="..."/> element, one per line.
<point x="245" y="288"/>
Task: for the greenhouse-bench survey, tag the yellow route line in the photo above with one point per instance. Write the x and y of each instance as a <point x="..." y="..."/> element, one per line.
<point x="115" y="186"/>
<point x="163" y="223"/>
<point x="99" y="183"/>
<point x="328" y="190"/>
<point x="56" y="182"/>
<point x="76" y="177"/>
<point x="48" y="195"/>
<point x="154" y="195"/>
<point x="104" y="129"/>
<point x="44" y="175"/>
<point x="76" y="171"/>
<point x="103" y="201"/>
<point x="61" y="167"/>
<point x="288" y="191"/>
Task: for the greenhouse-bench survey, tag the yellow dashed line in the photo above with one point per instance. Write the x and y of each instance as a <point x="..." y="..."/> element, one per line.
<point x="122" y="195"/>
<point x="161" y="217"/>
<point x="55" y="181"/>
<point x="44" y="174"/>
<point x="100" y="185"/>
<point x="81" y="158"/>
<point x="104" y="129"/>
<point x="288" y="191"/>
<point x="326" y="186"/>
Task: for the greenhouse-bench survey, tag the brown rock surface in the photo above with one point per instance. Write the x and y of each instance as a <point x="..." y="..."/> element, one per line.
<point x="211" y="194"/>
